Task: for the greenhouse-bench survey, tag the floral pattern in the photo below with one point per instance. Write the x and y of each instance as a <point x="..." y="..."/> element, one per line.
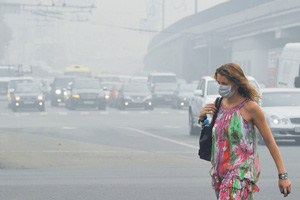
<point x="235" y="161"/>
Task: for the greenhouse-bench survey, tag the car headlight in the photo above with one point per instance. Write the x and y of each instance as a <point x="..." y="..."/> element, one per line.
<point x="276" y="120"/>
<point x="58" y="91"/>
<point x="76" y="96"/>
<point x="183" y="98"/>
<point x="40" y="97"/>
<point x="17" y="98"/>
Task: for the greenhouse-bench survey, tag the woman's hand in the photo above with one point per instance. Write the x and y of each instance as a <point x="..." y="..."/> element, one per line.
<point x="209" y="108"/>
<point x="285" y="186"/>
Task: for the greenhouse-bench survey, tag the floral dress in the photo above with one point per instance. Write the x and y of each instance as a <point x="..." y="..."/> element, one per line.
<point x="235" y="162"/>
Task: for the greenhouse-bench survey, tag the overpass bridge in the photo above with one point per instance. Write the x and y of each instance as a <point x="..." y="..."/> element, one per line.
<point x="251" y="33"/>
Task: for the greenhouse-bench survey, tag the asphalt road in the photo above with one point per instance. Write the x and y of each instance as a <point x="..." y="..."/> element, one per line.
<point x="132" y="154"/>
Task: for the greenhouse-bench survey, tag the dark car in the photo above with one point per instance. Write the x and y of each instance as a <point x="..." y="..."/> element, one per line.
<point x="12" y="84"/>
<point x="183" y="95"/>
<point x="27" y="95"/>
<point x="135" y="95"/>
<point x="58" y="88"/>
<point x="163" y="93"/>
<point x="85" y="92"/>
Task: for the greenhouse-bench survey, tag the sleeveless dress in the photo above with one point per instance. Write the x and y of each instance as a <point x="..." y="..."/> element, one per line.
<point x="235" y="162"/>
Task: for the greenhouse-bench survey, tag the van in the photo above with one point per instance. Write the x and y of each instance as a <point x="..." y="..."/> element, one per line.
<point x="289" y="65"/>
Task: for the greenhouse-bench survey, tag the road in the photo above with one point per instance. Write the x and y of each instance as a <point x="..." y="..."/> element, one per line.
<point x="112" y="154"/>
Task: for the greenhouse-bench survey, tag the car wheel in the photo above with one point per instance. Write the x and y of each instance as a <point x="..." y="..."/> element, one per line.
<point x="193" y="130"/>
<point x="101" y="106"/>
<point x="14" y="109"/>
<point x="41" y="109"/>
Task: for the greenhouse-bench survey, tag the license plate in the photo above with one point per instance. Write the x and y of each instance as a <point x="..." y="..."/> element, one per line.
<point x="28" y="102"/>
<point x="89" y="102"/>
<point x="297" y="129"/>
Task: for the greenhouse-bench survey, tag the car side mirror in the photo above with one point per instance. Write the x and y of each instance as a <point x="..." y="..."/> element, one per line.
<point x="198" y="93"/>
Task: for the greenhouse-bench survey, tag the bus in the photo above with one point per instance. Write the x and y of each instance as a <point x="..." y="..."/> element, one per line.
<point x="78" y="71"/>
<point x="289" y="66"/>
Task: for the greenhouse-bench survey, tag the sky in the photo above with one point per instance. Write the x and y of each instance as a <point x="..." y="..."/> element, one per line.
<point x="110" y="41"/>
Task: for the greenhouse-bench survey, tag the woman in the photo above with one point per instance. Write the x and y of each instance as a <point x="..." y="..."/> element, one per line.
<point x="235" y="163"/>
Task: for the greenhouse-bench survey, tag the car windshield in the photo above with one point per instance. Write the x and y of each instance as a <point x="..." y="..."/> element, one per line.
<point x="86" y="84"/>
<point x="27" y="88"/>
<point x="13" y="83"/>
<point x="212" y="88"/>
<point x="165" y="87"/>
<point x="278" y="99"/>
<point x="187" y="87"/>
<point x="138" y="88"/>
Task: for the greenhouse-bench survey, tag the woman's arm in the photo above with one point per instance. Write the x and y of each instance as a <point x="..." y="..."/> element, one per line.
<point x="259" y="120"/>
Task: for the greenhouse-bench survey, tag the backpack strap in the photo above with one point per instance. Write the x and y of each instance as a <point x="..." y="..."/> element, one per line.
<point x="217" y="104"/>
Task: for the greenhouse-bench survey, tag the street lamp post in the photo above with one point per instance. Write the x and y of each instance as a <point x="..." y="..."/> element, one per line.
<point x="196" y="6"/>
<point x="163" y="15"/>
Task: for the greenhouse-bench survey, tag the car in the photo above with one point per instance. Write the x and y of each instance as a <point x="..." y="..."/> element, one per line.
<point x="27" y="95"/>
<point x="183" y="95"/>
<point x="12" y="84"/>
<point x="206" y="92"/>
<point x="85" y="92"/>
<point x="58" y="88"/>
<point x="134" y="95"/>
<point x="162" y="94"/>
<point x="281" y="107"/>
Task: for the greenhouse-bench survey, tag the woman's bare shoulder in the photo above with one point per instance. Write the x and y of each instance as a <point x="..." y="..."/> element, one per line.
<point x="252" y="106"/>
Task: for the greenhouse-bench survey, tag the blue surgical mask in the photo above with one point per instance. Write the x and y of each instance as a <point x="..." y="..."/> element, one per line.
<point x="225" y="91"/>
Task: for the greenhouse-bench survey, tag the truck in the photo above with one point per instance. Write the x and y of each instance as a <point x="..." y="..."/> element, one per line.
<point x="289" y="66"/>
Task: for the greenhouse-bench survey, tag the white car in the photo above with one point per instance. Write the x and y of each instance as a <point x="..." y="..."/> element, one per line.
<point x="281" y="107"/>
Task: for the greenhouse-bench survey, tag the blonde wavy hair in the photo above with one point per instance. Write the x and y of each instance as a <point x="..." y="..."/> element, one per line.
<point x="235" y="74"/>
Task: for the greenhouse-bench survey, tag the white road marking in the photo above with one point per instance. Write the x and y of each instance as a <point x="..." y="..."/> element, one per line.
<point x="84" y="113"/>
<point x="63" y="113"/>
<point x="68" y="127"/>
<point x="144" y="112"/>
<point x="164" y="112"/>
<point x="160" y="137"/>
<point x="104" y="112"/>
